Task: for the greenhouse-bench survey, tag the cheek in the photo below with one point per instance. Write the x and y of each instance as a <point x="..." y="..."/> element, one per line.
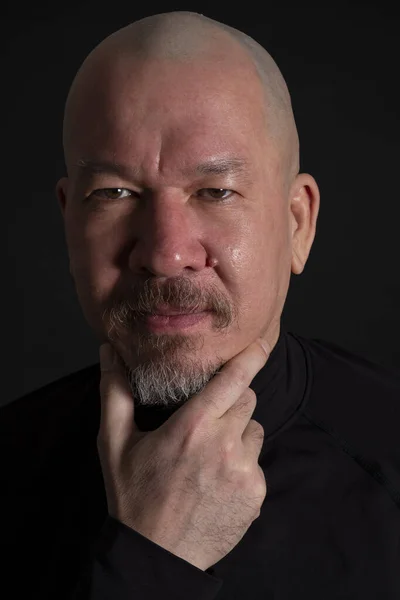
<point x="245" y="255"/>
<point x="92" y="251"/>
<point x="91" y="237"/>
<point x="261" y="260"/>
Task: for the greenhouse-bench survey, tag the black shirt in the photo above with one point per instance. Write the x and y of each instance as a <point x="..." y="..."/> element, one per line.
<point x="329" y="526"/>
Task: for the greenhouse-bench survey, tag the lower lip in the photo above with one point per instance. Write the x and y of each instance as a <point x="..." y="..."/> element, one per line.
<point x="165" y="323"/>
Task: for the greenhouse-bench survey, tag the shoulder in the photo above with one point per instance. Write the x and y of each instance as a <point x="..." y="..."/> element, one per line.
<point x="45" y="406"/>
<point x="357" y="402"/>
<point x="43" y="432"/>
<point x="350" y="378"/>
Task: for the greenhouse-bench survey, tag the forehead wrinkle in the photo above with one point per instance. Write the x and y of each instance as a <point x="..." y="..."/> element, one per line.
<point x="106" y="167"/>
<point x="222" y="166"/>
<point x="236" y="166"/>
<point x="186" y="37"/>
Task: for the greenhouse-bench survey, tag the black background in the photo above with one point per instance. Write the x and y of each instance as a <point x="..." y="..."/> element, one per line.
<point x="341" y="63"/>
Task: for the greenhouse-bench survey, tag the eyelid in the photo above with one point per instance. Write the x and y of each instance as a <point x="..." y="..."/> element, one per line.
<point x="109" y="188"/>
<point x="231" y="192"/>
<point x="133" y="192"/>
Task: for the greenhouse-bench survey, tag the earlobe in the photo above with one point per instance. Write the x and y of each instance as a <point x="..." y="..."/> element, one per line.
<point x="61" y="193"/>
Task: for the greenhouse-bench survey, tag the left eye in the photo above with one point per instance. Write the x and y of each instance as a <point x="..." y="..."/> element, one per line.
<point x="113" y="193"/>
<point x="215" y="193"/>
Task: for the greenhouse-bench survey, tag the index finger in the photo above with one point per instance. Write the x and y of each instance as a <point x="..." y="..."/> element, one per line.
<point x="117" y="413"/>
<point x="235" y="376"/>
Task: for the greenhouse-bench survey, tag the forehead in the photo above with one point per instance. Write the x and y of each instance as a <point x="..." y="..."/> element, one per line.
<point x="135" y="110"/>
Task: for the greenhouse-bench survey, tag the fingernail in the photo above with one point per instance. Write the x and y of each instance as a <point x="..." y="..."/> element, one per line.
<point x="266" y="346"/>
<point x="107" y="355"/>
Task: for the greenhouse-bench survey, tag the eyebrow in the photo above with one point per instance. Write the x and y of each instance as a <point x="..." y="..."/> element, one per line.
<point x="217" y="166"/>
<point x="220" y="166"/>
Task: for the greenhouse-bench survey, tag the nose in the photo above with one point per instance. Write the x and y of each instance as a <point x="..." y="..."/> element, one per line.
<point x="168" y="236"/>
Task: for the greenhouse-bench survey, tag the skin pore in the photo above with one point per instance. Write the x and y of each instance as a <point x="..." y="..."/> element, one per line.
<point x="183" y="188"/>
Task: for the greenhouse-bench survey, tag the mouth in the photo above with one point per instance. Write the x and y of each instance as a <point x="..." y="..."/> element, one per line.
<point x="175" y="320"/>
<point x="167" y="311"/>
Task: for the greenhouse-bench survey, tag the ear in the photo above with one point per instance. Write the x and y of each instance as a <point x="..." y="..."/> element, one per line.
<point x="304" y="207"/>
<point x="61" y="193"/>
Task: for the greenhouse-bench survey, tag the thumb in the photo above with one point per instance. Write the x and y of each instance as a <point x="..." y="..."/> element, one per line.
<point x="117" y="424"/>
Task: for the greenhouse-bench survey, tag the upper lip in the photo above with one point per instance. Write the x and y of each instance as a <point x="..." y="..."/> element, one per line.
<point x="166" y="311"/>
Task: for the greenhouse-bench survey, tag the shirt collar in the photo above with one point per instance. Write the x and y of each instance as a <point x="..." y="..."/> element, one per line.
<point x="282" y="385"/>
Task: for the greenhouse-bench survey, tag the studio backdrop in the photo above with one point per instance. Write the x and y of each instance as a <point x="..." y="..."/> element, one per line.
<point x="341" y="67"/>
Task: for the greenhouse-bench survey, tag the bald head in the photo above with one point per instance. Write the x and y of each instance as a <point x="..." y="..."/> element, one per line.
<point x="183" y="190"/>
<point x="191" y="38"/>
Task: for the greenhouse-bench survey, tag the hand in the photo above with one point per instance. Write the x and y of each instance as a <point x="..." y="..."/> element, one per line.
<point x="194" y="485"/>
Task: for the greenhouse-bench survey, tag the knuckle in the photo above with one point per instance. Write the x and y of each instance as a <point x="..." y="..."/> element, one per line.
<point x="246" y="401"/>
<point x="261" y="488"/>
<point x="227" y="448"/>
<point x="241" y="375"/>
<point x="242" y="406"/>
<point x="191" y="427"/>
<point x="257" y="430"/>
<point x="254" y="483"/>
<point x="250" y="394"/>
<point x="257" y="494"/>
<point x="193" y="431"/>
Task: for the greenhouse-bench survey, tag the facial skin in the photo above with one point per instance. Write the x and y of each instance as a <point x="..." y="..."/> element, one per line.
<point x="166" y="237"/>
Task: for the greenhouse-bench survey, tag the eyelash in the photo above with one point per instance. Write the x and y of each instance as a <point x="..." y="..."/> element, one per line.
<point x="120" y="190"/>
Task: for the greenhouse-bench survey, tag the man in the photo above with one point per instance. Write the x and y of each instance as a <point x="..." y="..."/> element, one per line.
<point x="197" y="465"/>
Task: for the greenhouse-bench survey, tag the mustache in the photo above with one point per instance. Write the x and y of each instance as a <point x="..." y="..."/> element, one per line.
<point x="129" y="304"/>
<point x="178" y="293"/>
